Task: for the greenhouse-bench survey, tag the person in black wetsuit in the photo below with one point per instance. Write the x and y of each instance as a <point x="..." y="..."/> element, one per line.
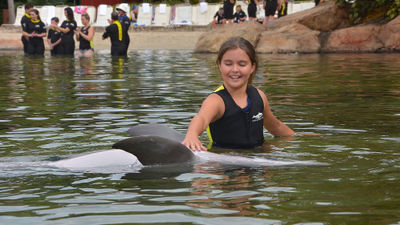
<point x="252" y="9"/>
<point x="228" y="10"/>
<point x="218" y="18"/>
<point x="67" y="32"/>
<point x="122" y="10"/>
<point x="317" y="2"/>
<point x="85" y="37"/>
<point x="270" y="9"/>
<point x="239" y="15"/>
<point x="24" y="22"/>
<point x="54" y="38"/>
<point x="35" y="31"/>
<point x="282" y="8"/>
<point x="236" y="112"/>
<point x="115" y="31"/>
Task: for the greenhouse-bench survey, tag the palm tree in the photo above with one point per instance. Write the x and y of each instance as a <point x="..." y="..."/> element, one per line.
<point x="11" y="12"/>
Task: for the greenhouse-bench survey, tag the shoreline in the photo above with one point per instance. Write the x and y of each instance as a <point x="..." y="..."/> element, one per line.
<point x="142" y="38"/>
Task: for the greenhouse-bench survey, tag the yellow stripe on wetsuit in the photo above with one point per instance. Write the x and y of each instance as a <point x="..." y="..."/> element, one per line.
<point x="208" y="127"/>
<point x="119" y="29"/>
<point x="27" y="15"/>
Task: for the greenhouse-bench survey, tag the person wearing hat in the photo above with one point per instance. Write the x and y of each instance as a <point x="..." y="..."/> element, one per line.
<point x="123" y="10"/>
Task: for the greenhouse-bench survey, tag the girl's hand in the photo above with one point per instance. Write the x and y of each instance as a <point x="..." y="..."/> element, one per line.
<point x="194" y="144"/>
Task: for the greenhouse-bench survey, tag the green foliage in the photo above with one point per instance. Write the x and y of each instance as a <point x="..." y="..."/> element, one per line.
<point x="364" y="10"/>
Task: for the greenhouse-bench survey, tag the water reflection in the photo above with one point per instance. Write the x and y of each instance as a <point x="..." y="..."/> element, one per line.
<point x="62" y="107"/>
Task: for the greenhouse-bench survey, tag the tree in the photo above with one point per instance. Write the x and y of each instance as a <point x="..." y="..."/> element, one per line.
<point x="11" y="12"/>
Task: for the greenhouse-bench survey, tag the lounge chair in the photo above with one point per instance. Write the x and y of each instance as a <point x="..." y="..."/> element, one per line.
<point x="103" y="14"/>
<point x="183" y="15"/>
<point x="203" y="13"/>
<point x="145" y="15"/>
<point x="162" y="15"/>
<point x="20" y="13"/>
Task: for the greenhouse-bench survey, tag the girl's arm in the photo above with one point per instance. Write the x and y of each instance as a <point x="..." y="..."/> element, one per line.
<point x="212" y="109"/>
<point x="90" y="35"/>
<point x="57" y="42"/>
<point x="271" y="123"/>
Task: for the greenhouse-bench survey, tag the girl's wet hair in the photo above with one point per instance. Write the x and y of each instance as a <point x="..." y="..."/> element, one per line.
<point x="246" y="46"/>
<point x="36" y="12"/>
<point x="86" y="15"/>
<point x="70" y="13"/>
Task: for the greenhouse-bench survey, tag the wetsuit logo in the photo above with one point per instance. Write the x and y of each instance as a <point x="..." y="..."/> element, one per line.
<point x="257" y="117"/>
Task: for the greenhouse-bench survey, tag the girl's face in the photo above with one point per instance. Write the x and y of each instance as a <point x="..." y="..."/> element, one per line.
<point x="236" y="68"/>
<point x="33" y="15"/>
<point x="84" y="20"/>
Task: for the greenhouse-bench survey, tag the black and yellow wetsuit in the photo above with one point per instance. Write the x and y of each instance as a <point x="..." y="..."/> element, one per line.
<point x="283" y="9"/>
<point x="54" y="36"/>
<point x="116" y="33"/>
<point x="238" y="127"/>
<point x="35" y="45"/>
<point x="67" y="39"/>
<point x="24" y="22"/>
<point x="83" y="43"/>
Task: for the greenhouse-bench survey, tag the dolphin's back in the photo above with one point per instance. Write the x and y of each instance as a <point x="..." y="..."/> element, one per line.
<point x="155" y="150"/>
<point x="156" y="130"/>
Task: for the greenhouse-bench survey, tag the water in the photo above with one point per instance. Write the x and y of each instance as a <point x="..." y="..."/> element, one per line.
<point x="52" y="108"/>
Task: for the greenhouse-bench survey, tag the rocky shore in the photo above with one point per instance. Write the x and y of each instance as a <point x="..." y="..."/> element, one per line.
<point x="322" y="29"/>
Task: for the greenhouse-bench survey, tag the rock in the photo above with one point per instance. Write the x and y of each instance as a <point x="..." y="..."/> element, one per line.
<point x="289" y="39"/>
<point x="362" y="38"/>
<point x="390" y="35"/>
<point x="325" y="28"/>
<point x="211" y="41"/>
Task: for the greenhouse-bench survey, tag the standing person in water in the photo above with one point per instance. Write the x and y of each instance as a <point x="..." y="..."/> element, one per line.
<point x="85" y="37"/>
<point x="115" y="32"/>
<point x="54" y="38"/>
<point x="24" y="22"/>
<point x="235" y="114"/>
<point x="67" y="29"/>
<point x="122" y="10"/>
<point x="35" y="31"/>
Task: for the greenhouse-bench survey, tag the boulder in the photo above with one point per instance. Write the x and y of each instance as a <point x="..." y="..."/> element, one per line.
<point x="289" y="39"/>
<point x="211" y="41"/>
<point x="390" y="35"/>
<point x="362" y="38"/>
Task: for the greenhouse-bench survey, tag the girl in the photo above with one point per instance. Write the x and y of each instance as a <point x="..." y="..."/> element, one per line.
<point x="54" y="38"/>
<point x="85" y="37"/>
<point x="67" y="29"/>
<point x="34" y="32"/>
<point x="236" y="112"/>
<point x="239" y="15"/>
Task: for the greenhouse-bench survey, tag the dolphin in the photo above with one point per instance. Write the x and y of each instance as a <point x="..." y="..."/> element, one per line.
<point x="155" y="144"/>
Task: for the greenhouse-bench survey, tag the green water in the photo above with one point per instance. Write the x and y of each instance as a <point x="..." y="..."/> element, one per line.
<point x="54" y="108"/>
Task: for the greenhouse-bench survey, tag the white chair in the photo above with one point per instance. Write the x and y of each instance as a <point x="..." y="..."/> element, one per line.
<point x="20" y="13"/>
<point x="162" y="15"/>
<point x="145" y="15"/>
<point x="201" y="14"/>
<point x="103" y="14"/>
<point x="60" y="12"/>
<point x="183" y="15"/>
<point x="46" y="13"/>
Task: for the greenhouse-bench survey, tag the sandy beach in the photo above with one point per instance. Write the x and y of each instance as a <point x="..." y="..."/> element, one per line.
<point x="179" y="38"/>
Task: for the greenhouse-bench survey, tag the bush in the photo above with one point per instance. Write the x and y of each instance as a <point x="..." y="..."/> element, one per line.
<point x="365" y="10"/>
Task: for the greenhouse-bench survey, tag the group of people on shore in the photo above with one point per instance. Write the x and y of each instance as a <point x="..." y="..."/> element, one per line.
<point x="60" y="38"/>
<point x="271" y="7"/>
